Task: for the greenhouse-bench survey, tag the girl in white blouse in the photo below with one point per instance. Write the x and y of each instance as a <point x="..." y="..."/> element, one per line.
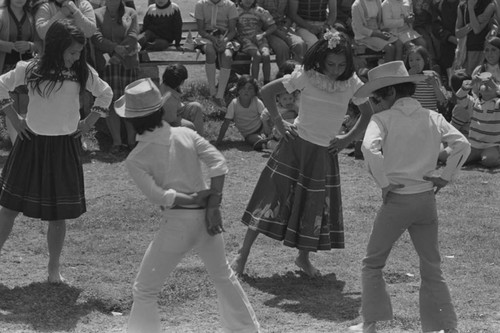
<point x="43" y="177"/>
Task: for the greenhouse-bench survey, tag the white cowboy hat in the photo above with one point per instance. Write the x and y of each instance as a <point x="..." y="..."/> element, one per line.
<point x="140" y="98"/>
<point x="387" y="74"/>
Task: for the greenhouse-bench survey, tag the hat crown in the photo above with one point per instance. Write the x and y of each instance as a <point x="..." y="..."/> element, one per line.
<point x="388" y="69"/>
<point x="142" y="95"/>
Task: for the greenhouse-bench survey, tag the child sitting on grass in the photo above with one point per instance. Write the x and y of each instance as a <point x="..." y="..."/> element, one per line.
<point x="188" y="114"/>
<point x="288" y="109"/>
<point x="246" y="112"/>
<point x="162" y="26"/>
<point x="484" y="131"/>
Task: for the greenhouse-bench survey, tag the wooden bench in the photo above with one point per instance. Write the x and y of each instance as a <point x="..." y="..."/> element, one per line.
<point x="152" y="64"/>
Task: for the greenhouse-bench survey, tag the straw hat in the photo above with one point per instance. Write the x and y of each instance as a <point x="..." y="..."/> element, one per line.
<point x="388" y="74"/>
<point x="141" y="97"/>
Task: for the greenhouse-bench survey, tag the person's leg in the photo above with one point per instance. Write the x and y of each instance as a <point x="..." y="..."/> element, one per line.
<point x="436" y="309"/>
<point x="299" y="47"/>
<point x="56" y="234"/>
<point x="266" y="64"/>
<point x="130" y="134"/>
<point x="7" y="217"/>
<point x="238" y="263"/>
<point x="490" y="157"/>
<point x="114" y="126"/>
<point x="175" y="237"/>
<point x="389" y="225"/>
<point x="226" y="59"/>
<point x="235" y="309"/>
<point x="474" y="156"/>
<point x="280" y="49"/>
<point x="255" y="65"/>
<point x="389" y="53"/>
<point x="305" y="264"/>
<point x="193" y="111"/>
<point x="210" y="68"/>
<point x="399" y="46"/>
<point x="308" y="37"/>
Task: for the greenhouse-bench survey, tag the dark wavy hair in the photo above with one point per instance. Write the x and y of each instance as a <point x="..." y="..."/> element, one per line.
<point x="243" y="80"/>
<point x="147" y="123"/>
<point x="422" y="51"/>
<point x="315" y="56"/>
<point x="49" y="67"/>
<point x="174" y="75"/>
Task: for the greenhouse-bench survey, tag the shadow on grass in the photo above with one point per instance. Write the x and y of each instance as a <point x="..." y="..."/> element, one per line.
<point x="321" y="298"/>
<point x="46" y="307"/>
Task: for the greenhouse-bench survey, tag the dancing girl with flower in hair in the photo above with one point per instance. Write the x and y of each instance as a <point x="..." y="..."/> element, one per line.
<point x="297" y="199"/>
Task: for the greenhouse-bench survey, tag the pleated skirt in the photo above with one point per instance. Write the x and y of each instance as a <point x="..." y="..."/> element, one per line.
<point x="297" y="198"/>
<point x="43" y="178"/>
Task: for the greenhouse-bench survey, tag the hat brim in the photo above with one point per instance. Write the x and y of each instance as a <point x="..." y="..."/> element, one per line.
<point x="121" y="107"/>
<point x="368" y="88"/>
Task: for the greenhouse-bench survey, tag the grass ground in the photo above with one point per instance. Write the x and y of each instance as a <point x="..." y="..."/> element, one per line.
<point x="105" y="246"/>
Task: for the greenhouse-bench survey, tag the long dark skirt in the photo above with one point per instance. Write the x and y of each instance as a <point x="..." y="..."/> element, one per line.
<point x="297" y="198"/>
<point x="43" y="178"/>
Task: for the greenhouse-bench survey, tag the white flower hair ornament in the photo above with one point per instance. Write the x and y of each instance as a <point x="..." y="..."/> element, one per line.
<point x="333" y="37"/>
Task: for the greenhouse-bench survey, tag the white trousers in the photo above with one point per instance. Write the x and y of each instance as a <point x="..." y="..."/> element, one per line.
<point x="185" y="230"/>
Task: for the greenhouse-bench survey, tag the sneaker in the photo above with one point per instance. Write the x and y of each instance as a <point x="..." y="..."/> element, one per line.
<point x="363" y="328"/>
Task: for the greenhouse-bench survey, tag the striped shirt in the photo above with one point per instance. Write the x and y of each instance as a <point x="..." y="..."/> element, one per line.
<point x="313" y="10"/>
<point x="484" y="131"/>
<point x="424" y="93"/>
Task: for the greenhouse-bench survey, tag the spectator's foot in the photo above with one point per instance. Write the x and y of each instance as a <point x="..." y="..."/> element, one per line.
<point x="305" y="265"/>
<point x="363" y="328"/>
<point x="238" y="264"/>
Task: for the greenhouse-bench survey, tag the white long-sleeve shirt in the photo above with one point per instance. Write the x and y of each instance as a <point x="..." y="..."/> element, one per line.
<point x="402" y="144"/>
<point x="168" y="160"/>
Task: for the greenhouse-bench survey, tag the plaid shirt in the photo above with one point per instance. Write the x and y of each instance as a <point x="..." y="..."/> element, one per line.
<point x="277" y="8"/>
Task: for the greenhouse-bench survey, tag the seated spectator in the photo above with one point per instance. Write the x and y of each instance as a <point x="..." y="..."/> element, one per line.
<point x="368" y="30"/>
<point x="79" y="12"/>
<point x="253" y="26"/>
<point x="18" y="41"/>
<point x="491" y="58"/>
<point x="288" y="109"/>
<point x="284" y="41"/>
<point x="423" y="12"/>
<point x="117" y="62"/>
<point x="162" y="26"/>
<point x="430" y="93"/>
<point x="398" y="17"/>
<point x="188" y="114"/>
<point x="246" y="112"/>
<point x="443" y="27"/>
<point x="216" y="20"/>
<point x="474" y="24"/>
<point x="312" y="18"/>
<point x="484" y="131"/>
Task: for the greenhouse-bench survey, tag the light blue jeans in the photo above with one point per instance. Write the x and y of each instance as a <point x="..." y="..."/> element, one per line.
<point x="416" y="213"/>
<point x="185" y="230"/>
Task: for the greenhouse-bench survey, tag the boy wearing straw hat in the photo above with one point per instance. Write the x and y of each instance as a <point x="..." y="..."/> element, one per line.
<point x="166" y="166"/>
<point x="401" y="147"/>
